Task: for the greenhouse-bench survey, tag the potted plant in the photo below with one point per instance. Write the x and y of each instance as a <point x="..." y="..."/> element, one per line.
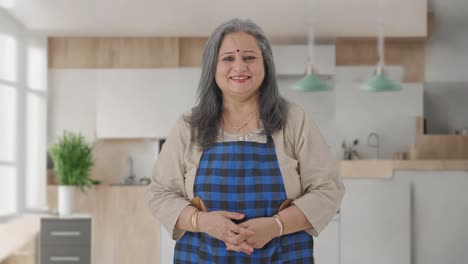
<point x="73" y="159"/>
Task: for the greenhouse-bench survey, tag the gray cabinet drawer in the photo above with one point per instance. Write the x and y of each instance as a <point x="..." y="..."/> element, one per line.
<point x="65" y="232"/>
<point x="65" y="255"/>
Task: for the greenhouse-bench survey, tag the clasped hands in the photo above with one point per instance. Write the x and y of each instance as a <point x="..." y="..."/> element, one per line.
<point x="244" y="237"/>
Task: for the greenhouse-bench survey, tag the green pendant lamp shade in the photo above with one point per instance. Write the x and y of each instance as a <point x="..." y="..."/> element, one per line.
<point x="311" y="83"/>
<point x="380" y="83"/>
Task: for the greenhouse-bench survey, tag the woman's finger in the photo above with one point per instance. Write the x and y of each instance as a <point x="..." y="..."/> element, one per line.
<point x="235" y="239"/>
<point x="239" y="234"/>
<point x="244" y="231"/>
<point x="238" y="229"/>
<point x="243" y="247"/>
<point x="233" y="215"/>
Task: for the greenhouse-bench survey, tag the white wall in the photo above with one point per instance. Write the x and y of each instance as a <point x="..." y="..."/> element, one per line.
<point x="446" y="68"/>
<point x="344" y="113"/>
<point x="445" y="107"/>
<point x="72" y="107"/>
<point x="447" y="49"/>
<point x="348" y="113"/>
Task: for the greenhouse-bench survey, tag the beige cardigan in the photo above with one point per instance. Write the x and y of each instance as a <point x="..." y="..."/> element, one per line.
<point x="308" y="170"/>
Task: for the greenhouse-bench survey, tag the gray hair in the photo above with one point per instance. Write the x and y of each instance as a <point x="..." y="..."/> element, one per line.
<point x="206" y="115"/>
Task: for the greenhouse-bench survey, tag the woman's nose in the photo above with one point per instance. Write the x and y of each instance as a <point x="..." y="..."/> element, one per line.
<point x="240" y="65"/>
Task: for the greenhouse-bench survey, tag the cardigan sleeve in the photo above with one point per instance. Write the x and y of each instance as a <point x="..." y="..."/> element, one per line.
<point x="322" y="188"/>
<point x="165" y="196"/>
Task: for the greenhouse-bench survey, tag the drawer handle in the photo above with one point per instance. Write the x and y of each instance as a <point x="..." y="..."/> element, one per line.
<point x="65" y="233"/>
<point x="71" y="259"/>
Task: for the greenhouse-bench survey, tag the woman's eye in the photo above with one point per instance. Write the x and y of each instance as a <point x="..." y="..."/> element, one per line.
<point x="249" y="58"/>
<point x="228" y="59"/>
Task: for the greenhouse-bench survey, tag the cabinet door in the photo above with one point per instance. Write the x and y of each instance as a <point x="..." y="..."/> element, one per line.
<point x="72" y="102"/>
<point x="143" y="103"/>
<point x="327" y="244"/>
<point x="375" y="218"/>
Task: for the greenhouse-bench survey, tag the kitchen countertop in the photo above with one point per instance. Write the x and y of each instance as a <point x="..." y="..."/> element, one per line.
<point x="126" y="185"/>
<point x="386" y="168"/>
<point x="372" y="168"/>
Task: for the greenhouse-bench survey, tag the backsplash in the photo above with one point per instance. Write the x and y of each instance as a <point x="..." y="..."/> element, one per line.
<point x="111" y="159"/>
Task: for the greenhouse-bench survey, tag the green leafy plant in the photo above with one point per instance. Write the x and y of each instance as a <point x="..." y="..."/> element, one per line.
<point x="73" y="159"/>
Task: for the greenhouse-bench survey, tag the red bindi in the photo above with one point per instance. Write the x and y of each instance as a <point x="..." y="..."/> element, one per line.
<point x="237" y="50"/>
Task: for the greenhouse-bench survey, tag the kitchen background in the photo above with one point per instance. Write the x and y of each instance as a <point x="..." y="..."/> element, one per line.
<point x="124" y="91"/>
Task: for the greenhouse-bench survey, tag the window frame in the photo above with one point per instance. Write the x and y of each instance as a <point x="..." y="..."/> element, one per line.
<point x="25" y="41"/>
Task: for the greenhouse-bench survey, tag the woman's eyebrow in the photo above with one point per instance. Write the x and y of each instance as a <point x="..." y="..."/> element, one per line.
<point x="229" y="52"/>
<point x="249" y="51"/>
<point x="243" y="51"/>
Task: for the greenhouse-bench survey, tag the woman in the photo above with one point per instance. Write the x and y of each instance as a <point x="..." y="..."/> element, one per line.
<point x="244" y="152"/>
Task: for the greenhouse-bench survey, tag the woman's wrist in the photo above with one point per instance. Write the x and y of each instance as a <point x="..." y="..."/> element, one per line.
<point x="278" y="227"/>
<point x="194" y="221"/>
<point x="280" y="223"/>
<point x="200" y="223"/>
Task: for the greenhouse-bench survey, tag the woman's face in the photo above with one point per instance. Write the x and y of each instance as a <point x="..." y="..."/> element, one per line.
<point x="240" y="70"/>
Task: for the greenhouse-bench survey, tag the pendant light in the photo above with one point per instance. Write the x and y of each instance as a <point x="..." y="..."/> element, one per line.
<point x="380" y="82"/>
<point x="311" y="82"/>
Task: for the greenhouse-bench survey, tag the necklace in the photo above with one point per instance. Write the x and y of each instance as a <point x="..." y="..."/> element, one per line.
<point x="237" y="128"/>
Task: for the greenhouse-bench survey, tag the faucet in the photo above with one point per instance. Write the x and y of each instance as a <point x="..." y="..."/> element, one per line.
<point x="376" y="144"/>
<point x="130" y="179"/>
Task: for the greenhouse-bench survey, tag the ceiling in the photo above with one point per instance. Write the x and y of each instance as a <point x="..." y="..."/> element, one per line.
<point x="279" y="18"/>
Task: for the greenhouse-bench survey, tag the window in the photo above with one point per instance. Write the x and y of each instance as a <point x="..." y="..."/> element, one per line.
<point x="8" y="206"/>
<point x="35" y="150"/>
<point x="8" y="122"/>
<point x="7" y="125"/>
<point x="8" y="57"/>
<point x="23" y="67"/>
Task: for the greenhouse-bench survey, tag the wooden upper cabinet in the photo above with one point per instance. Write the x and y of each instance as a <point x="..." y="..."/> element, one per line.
<point x="113" y="52"/>
<point x="72" y="52"/>
<point x="172" y="52"/>
<point x="191" y="51"/>
<point x="407" y="52"/>
<point x="145" y="52"/>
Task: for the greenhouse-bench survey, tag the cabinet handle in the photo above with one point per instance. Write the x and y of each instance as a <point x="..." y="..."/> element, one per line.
<point x="71" y="259"/>
<point x="65" y="233"/>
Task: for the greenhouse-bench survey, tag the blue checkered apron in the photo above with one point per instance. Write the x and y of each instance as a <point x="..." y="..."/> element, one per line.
<point x="242" y="177"/>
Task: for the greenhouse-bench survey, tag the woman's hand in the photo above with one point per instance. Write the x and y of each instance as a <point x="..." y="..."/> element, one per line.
<point x="264" y="228"/>
<point x="218" y="224"/>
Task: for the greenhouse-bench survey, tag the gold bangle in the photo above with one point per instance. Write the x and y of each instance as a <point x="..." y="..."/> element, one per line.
<point x="194" y="220"/>
<point x="279" y="224"/>
<point x="282" y="222"/>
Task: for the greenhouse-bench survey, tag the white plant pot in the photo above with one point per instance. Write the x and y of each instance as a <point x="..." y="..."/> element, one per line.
<point x="66" y="199"/>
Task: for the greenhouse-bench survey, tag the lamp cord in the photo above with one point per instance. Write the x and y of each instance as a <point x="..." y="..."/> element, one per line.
<point x="311" y="38"/>
<point x="381" y="40"/>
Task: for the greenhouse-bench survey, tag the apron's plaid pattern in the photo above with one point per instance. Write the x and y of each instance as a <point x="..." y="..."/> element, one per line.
<point x="242" y="177"/>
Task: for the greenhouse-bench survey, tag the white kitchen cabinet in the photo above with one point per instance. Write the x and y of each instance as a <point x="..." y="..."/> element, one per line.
<point x="439" y="215"/>
<point x="143" y="103"/>
<point x="375" y="222"/>
<point x="71" y="103"/>
<point x="327" y="244"/>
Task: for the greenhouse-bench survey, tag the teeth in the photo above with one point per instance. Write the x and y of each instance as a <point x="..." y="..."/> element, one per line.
<point x="239" y="78"/>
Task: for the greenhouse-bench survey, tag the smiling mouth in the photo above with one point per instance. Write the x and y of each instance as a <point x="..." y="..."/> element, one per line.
<point x="240" y="79"/>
